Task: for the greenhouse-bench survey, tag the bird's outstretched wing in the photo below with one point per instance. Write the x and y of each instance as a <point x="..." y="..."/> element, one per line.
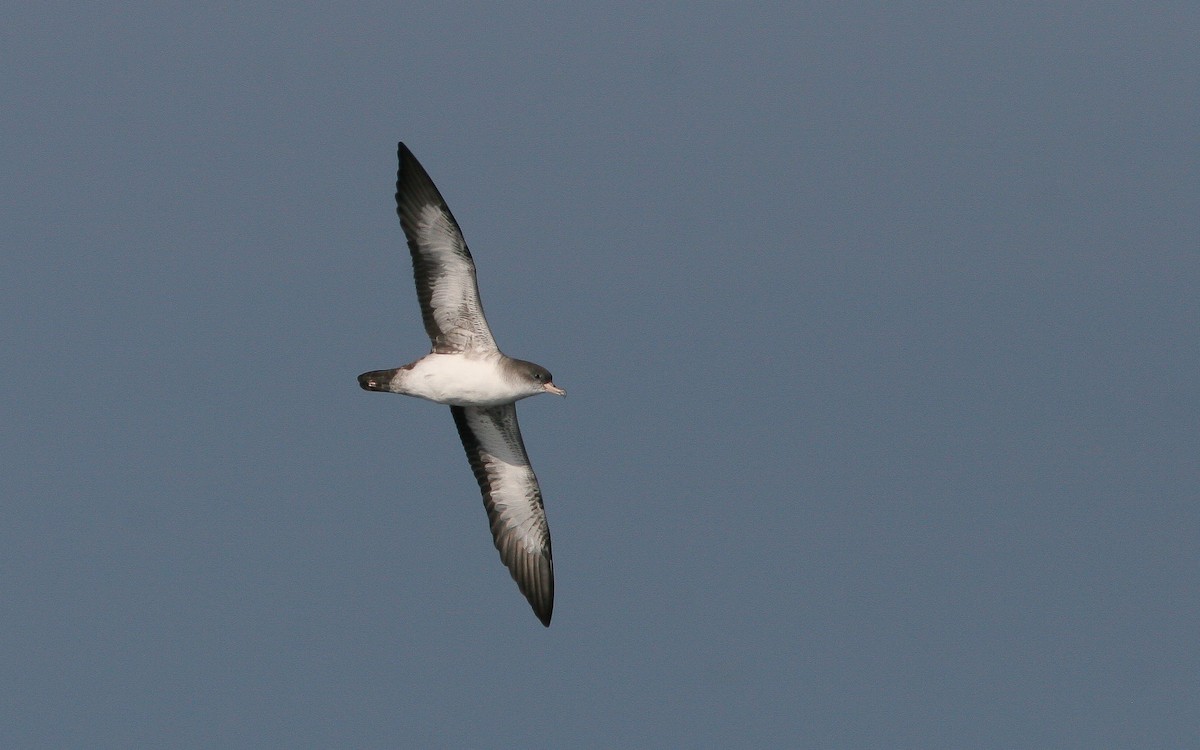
<point x="492" y="439"/>
<point x="442" y="264"/>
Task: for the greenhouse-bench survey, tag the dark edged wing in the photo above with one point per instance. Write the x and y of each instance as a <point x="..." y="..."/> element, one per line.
<point x="513" y="500"/>
<point x="442" y="264"/>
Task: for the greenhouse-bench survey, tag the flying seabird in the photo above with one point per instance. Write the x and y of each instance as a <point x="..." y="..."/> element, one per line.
<point x="481" y="384"/>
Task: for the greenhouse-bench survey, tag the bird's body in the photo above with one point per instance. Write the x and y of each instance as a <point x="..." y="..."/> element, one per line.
<point x="468" y="372"/>
<point x="465" y="379"/>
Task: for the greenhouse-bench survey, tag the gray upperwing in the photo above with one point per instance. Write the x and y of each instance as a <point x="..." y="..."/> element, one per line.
<point x="442" y="265"/>
<point x="492" y="439"/>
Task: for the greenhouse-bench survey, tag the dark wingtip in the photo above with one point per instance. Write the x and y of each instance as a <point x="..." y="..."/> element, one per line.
<point x="404" y="158"/>
<point x="539" y="591"/>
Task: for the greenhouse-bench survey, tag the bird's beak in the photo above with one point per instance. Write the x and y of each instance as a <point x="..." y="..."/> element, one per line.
<point x="552" y="388"/>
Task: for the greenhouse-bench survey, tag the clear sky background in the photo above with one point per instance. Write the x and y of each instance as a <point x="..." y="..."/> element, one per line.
<point x="881" y="329"/>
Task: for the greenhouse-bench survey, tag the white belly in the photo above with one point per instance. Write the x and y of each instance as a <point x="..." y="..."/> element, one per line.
<point x="458" y="380"/>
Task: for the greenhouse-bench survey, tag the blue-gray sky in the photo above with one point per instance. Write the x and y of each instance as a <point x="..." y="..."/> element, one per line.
<point x="880" y="328"/>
